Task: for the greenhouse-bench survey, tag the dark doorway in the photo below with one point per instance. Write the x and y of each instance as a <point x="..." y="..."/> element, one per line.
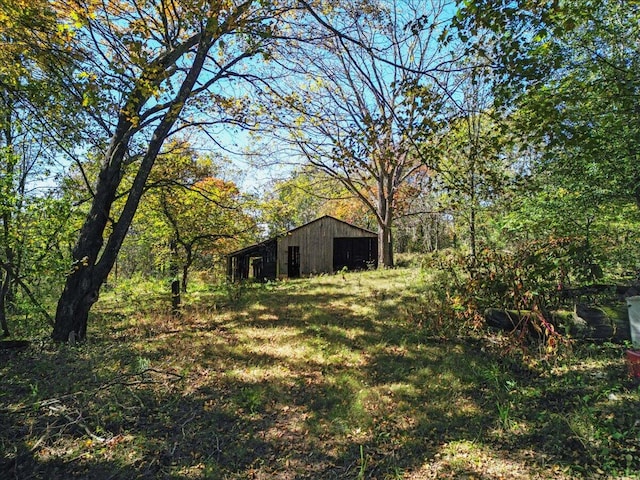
<point x="355" y="253"/>
<point x="256" y="263"/>
<point x="293" y="262"/>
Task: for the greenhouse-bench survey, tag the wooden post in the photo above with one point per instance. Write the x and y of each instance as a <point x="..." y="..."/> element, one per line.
<point x="175" y="281"/>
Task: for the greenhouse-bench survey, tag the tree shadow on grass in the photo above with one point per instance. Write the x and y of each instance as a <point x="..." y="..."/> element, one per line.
<point x="293" y="385"/>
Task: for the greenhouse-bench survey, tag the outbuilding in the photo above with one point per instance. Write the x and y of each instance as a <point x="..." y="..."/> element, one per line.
<point x="324" y="245"/>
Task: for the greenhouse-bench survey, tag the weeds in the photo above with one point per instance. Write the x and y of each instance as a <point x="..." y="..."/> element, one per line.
<point x="234" y="290"/>
<point x="362" y="471"/>
<point x="504" y="415"/>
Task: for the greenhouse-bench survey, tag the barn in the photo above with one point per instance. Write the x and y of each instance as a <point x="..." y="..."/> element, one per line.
<point x="323" y="245"/>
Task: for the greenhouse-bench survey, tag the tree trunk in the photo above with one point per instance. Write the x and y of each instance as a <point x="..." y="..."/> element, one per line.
<point x="4" y="290"/>
<point x="85" y="279"/>
<point x="472" y="240"/>
<point x="80" y="293"/>
<point x="385" y="247"/>
<point x="175" y="281"/>
<point x="385" y="218"/>
<point x="92" y="263"/>
<point x="187" y="265"/>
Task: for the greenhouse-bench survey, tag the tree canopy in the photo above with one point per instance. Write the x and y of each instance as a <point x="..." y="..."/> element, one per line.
<point x="478" y="126"/>
<point x="360" y="99"/>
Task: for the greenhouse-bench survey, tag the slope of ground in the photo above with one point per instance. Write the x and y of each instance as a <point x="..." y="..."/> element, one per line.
<point x="329" y="377"/>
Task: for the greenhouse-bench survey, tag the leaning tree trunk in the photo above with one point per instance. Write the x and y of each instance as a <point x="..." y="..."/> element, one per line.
<point x="85" y="278"/>
<point x="80" y="293"/>
<point x="92" y="263"/>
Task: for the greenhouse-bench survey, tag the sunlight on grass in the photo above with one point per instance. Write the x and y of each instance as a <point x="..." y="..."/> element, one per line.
<point x="314" y="378"/>
<point x="257" y="374"/>
<point x="475" y="460"/>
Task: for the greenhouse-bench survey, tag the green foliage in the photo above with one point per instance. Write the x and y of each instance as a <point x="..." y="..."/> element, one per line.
<point x="474" y="166"/>
<point x="306" y="195"/>
<point x="593" y="239"/>
<point x="251" y="398"/>
<point x="529" y="274"/>
<point x="294" y="201"/>
<point x="234" y="290"/>
<point x="446" y="305"/>
<point x="566" y="75"/>
<point x="523" y="280"/>
<point x="39" y="118"/>
<point x="186" y="203"/>
<point x="570" y="73"/>
<point x="33" y="238"/>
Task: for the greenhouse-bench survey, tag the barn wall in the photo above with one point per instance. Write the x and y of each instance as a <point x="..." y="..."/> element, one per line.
<point x="257" y="261"/>
<point x="316" y="245"/>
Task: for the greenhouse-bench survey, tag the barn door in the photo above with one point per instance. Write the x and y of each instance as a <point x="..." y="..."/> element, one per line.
<point x="354" y="253"/>
<point x="293" y="262"/>
<point x="342" y="248"/>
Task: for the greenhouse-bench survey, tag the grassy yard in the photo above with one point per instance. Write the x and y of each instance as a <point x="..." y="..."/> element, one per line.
<point x="341" y="377"/>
